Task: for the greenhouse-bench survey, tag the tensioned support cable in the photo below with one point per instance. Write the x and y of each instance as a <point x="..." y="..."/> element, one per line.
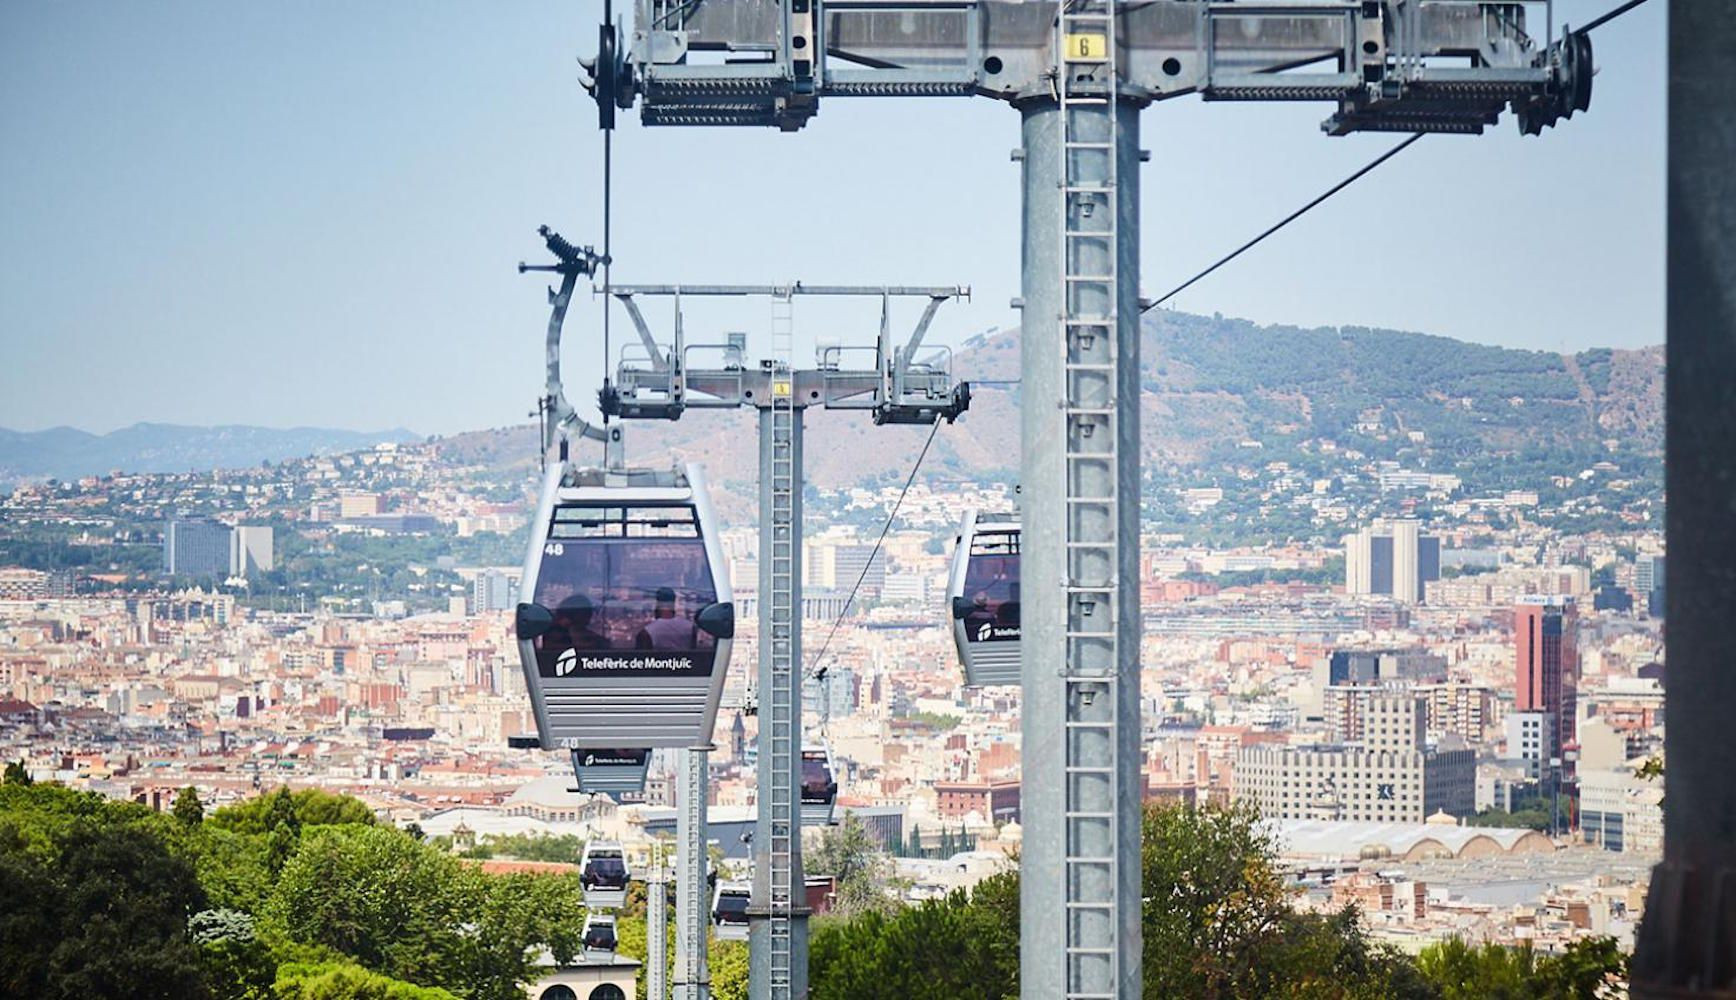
<point x="1285" y="221"/>
<point x="933" y="429"/>
<point x="1591" y="25"/>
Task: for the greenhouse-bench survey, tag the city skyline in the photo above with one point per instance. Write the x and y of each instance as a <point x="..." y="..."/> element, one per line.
<point x="1335" y="587"/>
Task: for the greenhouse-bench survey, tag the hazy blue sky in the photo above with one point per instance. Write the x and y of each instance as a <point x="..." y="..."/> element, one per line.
<point x="309" y="213"/>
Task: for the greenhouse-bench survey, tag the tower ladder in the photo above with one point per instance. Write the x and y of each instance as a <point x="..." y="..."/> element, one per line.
<point x="781" y="704"/>
<point x="1086" y="91"/>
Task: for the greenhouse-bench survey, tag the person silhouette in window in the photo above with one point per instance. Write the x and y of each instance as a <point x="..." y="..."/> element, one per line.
<point x="665" y="630"/>
<point x="573" y="626"/>
<point x="1008" y="613"/>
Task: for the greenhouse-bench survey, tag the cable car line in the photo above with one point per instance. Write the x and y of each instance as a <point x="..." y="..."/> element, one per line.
<point x="1599" y="22"/>
<point x="1590" y="26"/>
<point x="1292" y="217"/>
<point x="933" y="429"/>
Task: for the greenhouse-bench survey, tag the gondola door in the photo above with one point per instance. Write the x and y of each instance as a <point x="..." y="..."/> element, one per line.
<point x="984" y="587"/>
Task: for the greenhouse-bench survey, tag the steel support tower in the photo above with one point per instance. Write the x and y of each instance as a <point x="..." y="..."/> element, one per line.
<point x="1080" y="710"/>
<point x="778" y="926"/>
<point x="1078" y="71"/>
<point x="692" y="902"/>
<point x="1687" y="942"/>
<point x="656" y="929"/>
<point x="661" y="381"/>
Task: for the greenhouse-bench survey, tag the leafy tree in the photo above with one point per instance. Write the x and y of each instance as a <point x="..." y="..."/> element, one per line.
<point x="405" y="909"/>
<point x="16" y="773"/>
<point x="1584" y="968"/>
<point x="233" y="868"/>
<point x="1459" y="971"/>
<point x="188" y="809"/>
<point x="1211" y="898"/>
<point x="103" y="912"/>
<point x="862" y="874"/>
<point x="728" y="961"/>
<point x="962" y="946"/>
<point x="282" y="807"/>
<point x="514" y="916"/>
<point x="346" y="981"/>
<point x="238" y="964"/>
<point x="377" y="896"/>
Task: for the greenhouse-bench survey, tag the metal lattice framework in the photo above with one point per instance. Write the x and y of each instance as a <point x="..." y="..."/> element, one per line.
<point x="662" y="381"/>
<point x="1079" y="72"/>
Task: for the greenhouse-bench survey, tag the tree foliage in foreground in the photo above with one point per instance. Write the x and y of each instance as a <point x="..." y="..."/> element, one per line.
<point x="1218" y="922"/>
<point x="345" y="981"/>
<point x="301" y="896"/>
<point x="99" y="911"/>
<point x="290" y="896"/>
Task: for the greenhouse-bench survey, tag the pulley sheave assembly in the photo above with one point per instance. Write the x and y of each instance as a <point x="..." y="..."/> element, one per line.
<point x="1571" y="91"/>
<point x="610" y="80"/>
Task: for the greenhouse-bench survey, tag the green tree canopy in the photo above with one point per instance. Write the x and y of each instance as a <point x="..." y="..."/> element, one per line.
<point x="377" y="896"/>
<point x="964" y="946"/>
<point x="101" y="912"/>
<point x="405" y="909"/>
<point x="345" y="981"/>
<point x="188" y="809"/>
<point x="1460" y="971"/>
<point x="282" y="807"/>
<point x="861" y="871"/>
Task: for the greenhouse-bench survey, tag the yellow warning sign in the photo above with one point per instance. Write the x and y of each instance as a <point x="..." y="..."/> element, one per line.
<point x="781" y="388"/>
<point x="1087" y="48"/>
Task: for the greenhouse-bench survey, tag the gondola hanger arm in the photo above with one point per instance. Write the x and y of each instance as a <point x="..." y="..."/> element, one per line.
<point x="572" y="262"/>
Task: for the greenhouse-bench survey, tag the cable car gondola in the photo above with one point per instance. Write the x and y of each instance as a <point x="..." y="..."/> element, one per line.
<point x="984" y="586"/>
<point x="599" y="938"/>
<point x="819" y="786"/>
<point x="626" y="637"/>
<point x="603" y="874"/>
<point x="729" y="910"/>
<point x="614" y="773"/>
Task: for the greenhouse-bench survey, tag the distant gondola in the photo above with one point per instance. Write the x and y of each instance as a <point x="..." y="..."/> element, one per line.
<point x="603" y="875"/>
<point x="599" y="937"/>
<point x="611" y="772"/>
<point x="819" y="786"/>
<point x="625" y="639"/>
<point x="984" y="587"/>
<point x="729" y="911"/>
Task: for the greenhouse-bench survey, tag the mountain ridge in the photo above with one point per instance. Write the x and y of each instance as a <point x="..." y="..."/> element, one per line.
<point x="69" y="453"/>
<point x="1216" y="391"/>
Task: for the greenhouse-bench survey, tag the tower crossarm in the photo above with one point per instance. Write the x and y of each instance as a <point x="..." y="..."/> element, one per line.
<point x="896" y="384"/>
<point x="1422" y="65"/>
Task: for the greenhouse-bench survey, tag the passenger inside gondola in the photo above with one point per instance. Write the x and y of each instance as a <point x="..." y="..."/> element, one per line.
<point x="632" y="594"/>
<point x="605" y="872"/>
<point x="992" y="581"/>
<point x="731" y="907"/>
<point x="666" y="630"/>
<point x="817" y="783"/>
<point x="600" y="935"/>
<point x="571" y="631"/>
<point x="573" y="624"/>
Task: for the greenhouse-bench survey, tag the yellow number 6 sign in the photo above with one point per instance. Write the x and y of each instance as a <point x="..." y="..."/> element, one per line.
<point x="1087" y="48"/>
